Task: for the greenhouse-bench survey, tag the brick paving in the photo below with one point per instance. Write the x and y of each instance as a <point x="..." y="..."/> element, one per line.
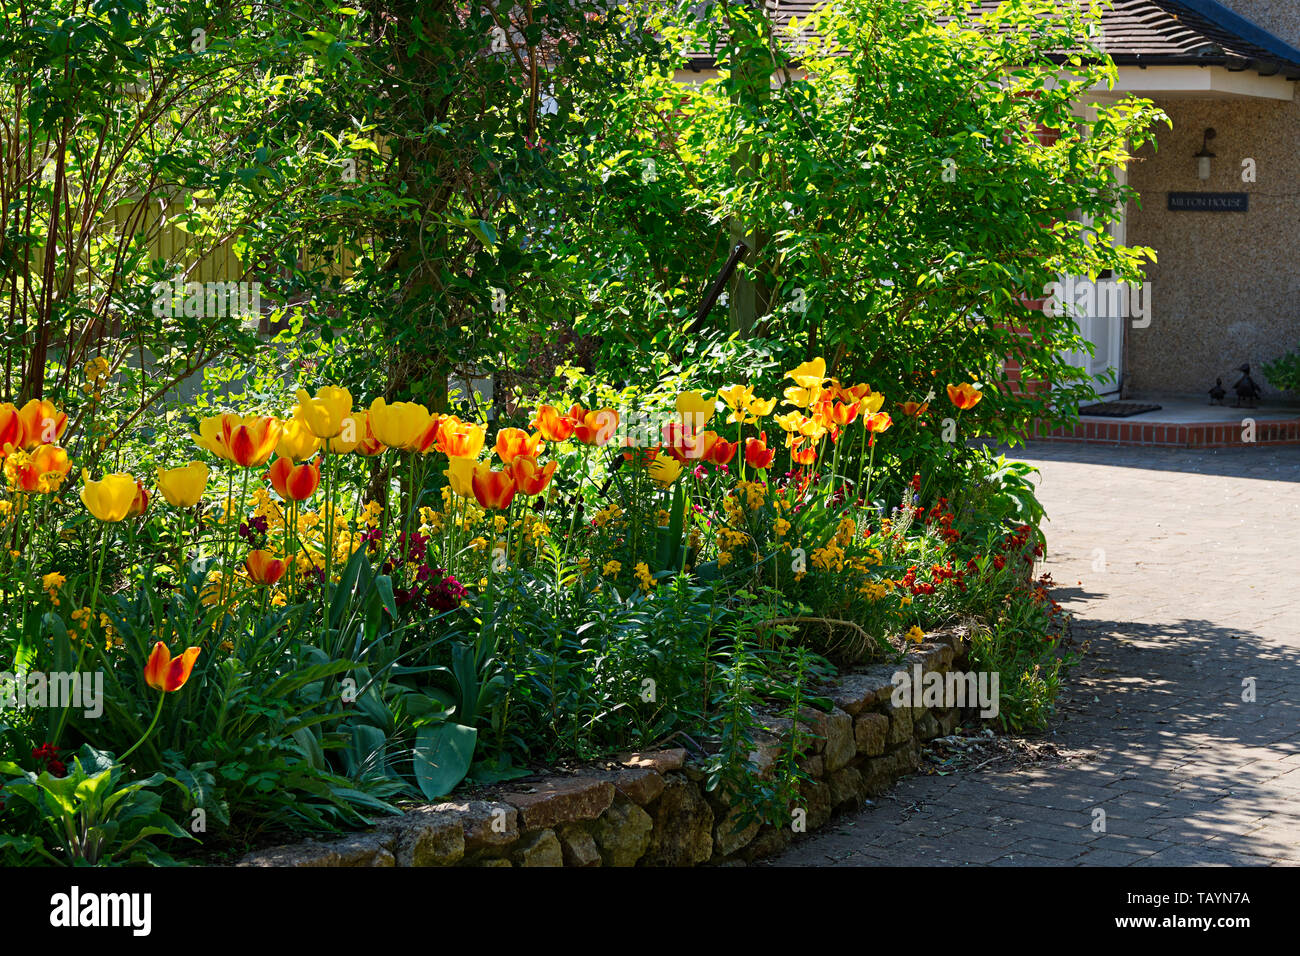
<point x="1185" y="563"/>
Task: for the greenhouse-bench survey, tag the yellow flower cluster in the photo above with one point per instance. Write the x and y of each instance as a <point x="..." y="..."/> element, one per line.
<point x="845" y="531"/>
<point x="643" y="577"/>
<point x="607" y="515"/>
<point x="611" y="569"/>
<point x="51" y="583"/>
<point x="753" y="493"/>
<point x="829" y="558"/>
<point x="874" y="590"/>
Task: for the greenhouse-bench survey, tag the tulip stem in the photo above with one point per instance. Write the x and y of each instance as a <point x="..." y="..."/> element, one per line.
<point x="152" y="724"/>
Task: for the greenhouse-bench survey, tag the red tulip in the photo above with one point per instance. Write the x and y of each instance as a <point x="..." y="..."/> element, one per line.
<point x="141" y="503"/>
<point x="757" y="454"/>
<point x="294" y="482"/>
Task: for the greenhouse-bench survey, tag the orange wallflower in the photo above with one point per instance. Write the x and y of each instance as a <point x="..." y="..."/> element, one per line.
<point x="166" y="673"/>
<point x="294" y="482"/>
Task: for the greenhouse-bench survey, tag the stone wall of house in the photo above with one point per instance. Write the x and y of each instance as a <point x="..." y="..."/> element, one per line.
<point x="653" y="809"/>
<point x="1226" y="288"/>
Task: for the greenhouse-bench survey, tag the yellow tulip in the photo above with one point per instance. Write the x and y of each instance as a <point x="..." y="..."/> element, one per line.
<point x="871" y="403"/>
<point x="356" y="436"/>
<point x="398" y="425"/>
<point x="694" y="410"/>
<point x="737" y="397"/>
<point x="183" y="487"/>
<point x="460" y="473"/>
<point x="802" y="397"/>
<point x="297" y="440"/>
<point x="809" y="375"/>
<point x="109" y="499"/>
<point x="211" y="436"/>
<point x="324" y="414"/>
<point x="665" y="470"/>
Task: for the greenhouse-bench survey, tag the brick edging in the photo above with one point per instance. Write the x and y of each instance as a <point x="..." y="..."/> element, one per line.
<point x="1184" y="435"/>
<point x="653" y="810"/>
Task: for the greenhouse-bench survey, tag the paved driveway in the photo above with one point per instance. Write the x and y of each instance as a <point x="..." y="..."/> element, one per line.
<point x="1187" y="567"/>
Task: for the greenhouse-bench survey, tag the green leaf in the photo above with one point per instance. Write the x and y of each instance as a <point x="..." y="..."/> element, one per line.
<point x="443" y="754"/>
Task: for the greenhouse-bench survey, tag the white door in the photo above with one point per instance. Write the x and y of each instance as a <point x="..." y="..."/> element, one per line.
<point x="1100" y="308"/>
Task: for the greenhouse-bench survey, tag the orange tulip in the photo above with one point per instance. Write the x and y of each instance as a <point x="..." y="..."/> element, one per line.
<point x="513" y="442"/>
<point x="877" y="423"/>
<point x="642" y="455"/>
<point x="965" y="395"/>
<point x="250" y="440"/>
<point x="684" y="445"/>
<point x="11" y="429"/>
<point x="838" y="414"/>
<point x="596" y="427"/>
<point x="41" y="471"/>
<point x="757" y="454"/>
<point x="493" y="489"/>
<point x="915" y="409"/>
<point x="141" y="503"/>
<point x="427" y="439"/>
<point x="530" y="479"/>
<point x="43" y="424"/>
<point x="263" y="568"/>
<point x="853" y="393"/>
<point x="166" y="673"/>
<point x="458" y="439"/>
<point x="800" y="454"/>
<point x="553" y="425"/>
<point x="294" y="482"/>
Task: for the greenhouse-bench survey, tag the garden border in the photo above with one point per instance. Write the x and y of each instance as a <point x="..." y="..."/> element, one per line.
<point x="653" y="810"/>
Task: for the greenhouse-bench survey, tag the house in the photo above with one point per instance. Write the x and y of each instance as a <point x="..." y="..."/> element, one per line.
<point x="1218" y="198"/>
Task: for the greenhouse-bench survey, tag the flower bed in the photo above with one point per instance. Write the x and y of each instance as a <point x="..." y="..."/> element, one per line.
<point x="361" y="606"/>
<point x="653" y="809"/>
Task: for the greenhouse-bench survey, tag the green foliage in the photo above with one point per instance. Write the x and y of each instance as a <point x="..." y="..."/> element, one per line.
<point x="1283" y="373"/>
<point x="94" y="813"/>
<point x="897" y="221"/>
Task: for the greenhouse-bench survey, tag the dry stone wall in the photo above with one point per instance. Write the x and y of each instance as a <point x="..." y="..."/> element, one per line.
<point x="653" y="810"/>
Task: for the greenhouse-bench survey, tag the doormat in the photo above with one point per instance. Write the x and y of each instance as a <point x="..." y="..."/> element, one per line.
<point x="1117" y="409"/>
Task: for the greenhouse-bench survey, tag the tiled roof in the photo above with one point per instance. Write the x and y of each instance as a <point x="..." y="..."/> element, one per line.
<point x="1147" y="33"/>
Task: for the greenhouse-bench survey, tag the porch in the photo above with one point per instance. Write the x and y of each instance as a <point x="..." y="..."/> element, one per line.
<point x="1182" y="422"/>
